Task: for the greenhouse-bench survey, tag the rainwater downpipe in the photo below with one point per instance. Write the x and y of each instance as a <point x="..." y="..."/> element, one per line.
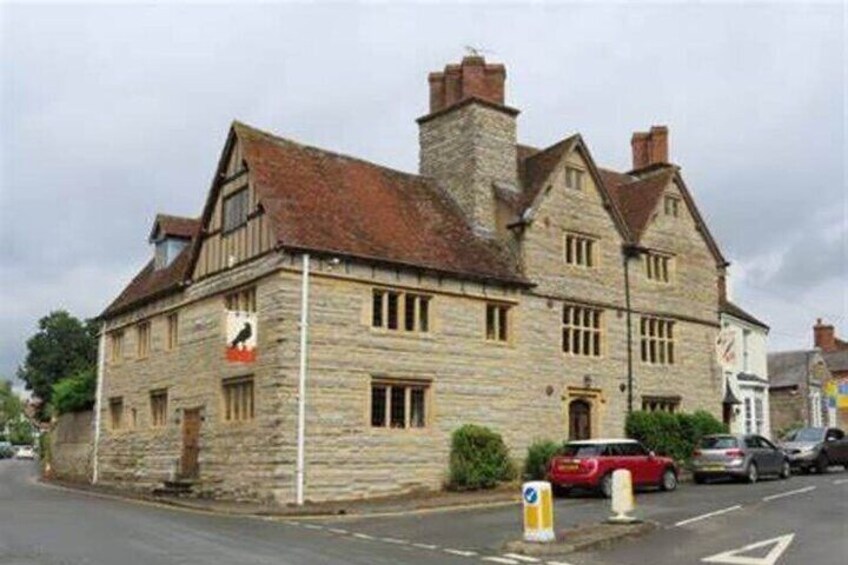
<point x="98" y="403"/>
<point x="301" y="385"/>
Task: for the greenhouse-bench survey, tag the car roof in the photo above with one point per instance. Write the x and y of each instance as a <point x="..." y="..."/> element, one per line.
<point x="600" y="441"/>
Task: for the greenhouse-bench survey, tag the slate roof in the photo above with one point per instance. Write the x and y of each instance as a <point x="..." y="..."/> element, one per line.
<point x="330" y="203"/>
<point x="836" y="361"/>
<point x="151" y="283"/>
<point x="728" y="307"/>
<point x="789" y="368"/>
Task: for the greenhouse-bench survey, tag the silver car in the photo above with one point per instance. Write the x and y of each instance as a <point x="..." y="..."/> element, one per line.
<point x="745" y="457"/>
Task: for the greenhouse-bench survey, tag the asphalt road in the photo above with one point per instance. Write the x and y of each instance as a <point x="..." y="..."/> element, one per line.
<point x="44" y="525"/>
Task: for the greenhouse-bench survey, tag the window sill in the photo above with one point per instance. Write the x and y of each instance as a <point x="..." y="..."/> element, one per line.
<point x="401" y="333"/>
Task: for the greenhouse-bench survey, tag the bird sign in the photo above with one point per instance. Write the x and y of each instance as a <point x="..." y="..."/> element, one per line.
<point x="241" y="337"/>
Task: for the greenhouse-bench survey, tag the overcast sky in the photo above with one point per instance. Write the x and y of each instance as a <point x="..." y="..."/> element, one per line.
<point x="110" y="114"/>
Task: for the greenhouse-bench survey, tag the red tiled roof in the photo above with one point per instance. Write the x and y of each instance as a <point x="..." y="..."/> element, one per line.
<point x="176" y="226"/>
<point x="152" y="283"/>
<point x="330" y="203"/>
<point x="637" y="199"/>
<point x="538" y="166"/>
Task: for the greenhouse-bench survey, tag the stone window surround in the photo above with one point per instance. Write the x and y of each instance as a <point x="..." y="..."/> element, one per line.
<point x="116" y="346"/>
<point x="408" y="384"/>
<point x="173" y="337"/>
<point x="671" y="205"/>
<point x="159" y="408"/>
<point x="660" y="403"/>
<point x="143" y="339"/>
<point x="574" y="173"/>
<point x="421" y="318"/>
<point x="241" y="300"/>
<point x="660" y="267"/>
<point x="572" y="241"/>
<point x="596" y="330"/>
<point x="501" y="322"/>
<point x="237" y="385"/>
<point x="660" y="333"/>
<point x="116" y="413"/>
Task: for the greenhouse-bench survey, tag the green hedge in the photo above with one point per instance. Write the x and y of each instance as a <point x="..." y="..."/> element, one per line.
<point x="478" y="459"/>
<point x="538" y="456"/>
<point x="674" y="435"/>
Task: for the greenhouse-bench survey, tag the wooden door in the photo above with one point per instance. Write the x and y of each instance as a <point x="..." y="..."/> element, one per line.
<point x="579" y="420"/>
<point x="191" y="444"/>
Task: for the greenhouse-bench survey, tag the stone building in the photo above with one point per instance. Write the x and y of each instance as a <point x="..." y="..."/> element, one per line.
<point x="796" y="379"/>
<point x="521" y="288"/>
<point x="835" y="354"/>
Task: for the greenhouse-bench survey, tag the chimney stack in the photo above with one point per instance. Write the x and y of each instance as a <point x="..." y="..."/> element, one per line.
<point x="650" y="148"/>
<point x="824" y="337"/>
<point x="473" y="78"/>
<point x="468" y="140"/>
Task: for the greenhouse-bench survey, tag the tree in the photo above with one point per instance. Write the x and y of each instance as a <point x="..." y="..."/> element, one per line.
<point x="75" y="393"/>
<point x="10" y="404"/>
<point x="63" y="347"/>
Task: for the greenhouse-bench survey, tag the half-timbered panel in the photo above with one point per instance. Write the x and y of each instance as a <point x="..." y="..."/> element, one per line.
<point x="238" y="229"/>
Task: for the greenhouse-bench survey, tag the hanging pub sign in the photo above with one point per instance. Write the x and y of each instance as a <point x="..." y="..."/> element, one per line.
<point x="241" y="337"/>
<point x="726" y="348"/>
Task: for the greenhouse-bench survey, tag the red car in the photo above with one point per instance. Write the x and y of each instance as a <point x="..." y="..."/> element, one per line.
<point x="590" y="463"/>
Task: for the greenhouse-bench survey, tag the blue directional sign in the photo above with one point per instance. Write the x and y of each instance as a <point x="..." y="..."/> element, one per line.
<point x="531" y="495"/>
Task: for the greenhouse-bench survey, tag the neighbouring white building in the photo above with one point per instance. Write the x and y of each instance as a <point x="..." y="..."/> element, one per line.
<point x="742" y="350"/>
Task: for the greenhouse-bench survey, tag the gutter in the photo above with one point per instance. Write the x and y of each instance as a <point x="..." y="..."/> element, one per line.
<point x="300" y="469"/>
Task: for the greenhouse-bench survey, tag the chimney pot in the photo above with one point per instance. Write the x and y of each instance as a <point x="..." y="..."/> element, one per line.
<point x="471" y="78"/>
<point x="650" y="148"/>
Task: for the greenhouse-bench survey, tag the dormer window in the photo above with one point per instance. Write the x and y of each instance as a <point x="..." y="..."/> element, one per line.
<point x="235" y="210"/>
<point x="167" y="249"/>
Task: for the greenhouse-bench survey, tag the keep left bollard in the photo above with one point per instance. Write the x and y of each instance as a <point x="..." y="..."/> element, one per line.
<point x="622" y="497"/>
<point x="538" y="511"/>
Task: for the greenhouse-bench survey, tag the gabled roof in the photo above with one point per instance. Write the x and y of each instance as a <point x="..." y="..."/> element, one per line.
<point x="150" y="283"/>
<point x="731" y="309"/>
<point x="791" y="368"/>
<point x="638" y="193"/>
<point x="174" y="226"/>
<point x="536" y="167"/>
<point x="325" y="202"/>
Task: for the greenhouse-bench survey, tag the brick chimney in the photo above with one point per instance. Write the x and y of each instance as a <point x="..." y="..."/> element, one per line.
<point x="468" y="140"/>
<point x="824" y="337"/>
<point x="650" y="148"/>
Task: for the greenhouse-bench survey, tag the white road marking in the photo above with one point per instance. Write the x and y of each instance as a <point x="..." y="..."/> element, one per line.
<point x="840" y="481"/>
<point x="524" y="558"/>
<point x="558" y="563"/>
<point x="460" y="552"/>
<point x="363" y="536"/>
<point x="501" y="560"/>
<point x="425" y="546"/>
<point x="708" y="515"/>
<point x="338" y="531"/>
<point x="789" y="493"/>
<point x="733" y="556"/>
<point x="394" y="541"/>
<point x="313" y="527"/>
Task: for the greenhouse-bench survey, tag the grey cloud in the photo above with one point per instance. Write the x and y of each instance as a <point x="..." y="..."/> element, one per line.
<point x="109" y="114"/>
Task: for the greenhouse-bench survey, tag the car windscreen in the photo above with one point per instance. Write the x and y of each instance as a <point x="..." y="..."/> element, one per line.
<point x="573" y="450"/>
<point x="720" y="442"/>
<point x="806" y="434"/>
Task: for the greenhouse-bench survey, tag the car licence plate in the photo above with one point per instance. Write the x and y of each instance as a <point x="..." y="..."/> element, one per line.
<point x="567" y="467"/>
<point x="713" y="468"/>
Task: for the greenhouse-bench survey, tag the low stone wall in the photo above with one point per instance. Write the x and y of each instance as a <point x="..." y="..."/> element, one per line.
<point x="71" y="447"/>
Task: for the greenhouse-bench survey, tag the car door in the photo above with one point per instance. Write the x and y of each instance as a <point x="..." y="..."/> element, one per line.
<point x="837" y="446"/>
<point x="772" y="454"/>
<point x="755" y="454"/>
<point x="635" y="459"/>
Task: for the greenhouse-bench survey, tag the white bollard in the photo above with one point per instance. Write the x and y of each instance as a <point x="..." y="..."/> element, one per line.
<point x="622" y="497"/>
<point x="538" y="511"/>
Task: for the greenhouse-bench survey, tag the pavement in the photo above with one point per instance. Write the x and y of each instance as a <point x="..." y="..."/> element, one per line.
<point x="801" y="520"/>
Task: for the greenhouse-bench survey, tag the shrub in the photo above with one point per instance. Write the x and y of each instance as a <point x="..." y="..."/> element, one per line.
<point x="538" y="456"/>
<point x="75" y="393"/>
<point x="673" y="435"/>
<point x="478" y="459"/>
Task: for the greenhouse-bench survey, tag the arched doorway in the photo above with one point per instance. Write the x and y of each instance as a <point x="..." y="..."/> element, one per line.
<point x="579" y="420"/>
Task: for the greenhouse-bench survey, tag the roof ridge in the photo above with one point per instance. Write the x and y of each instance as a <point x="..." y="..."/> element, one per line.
<point x="305" y="146"/>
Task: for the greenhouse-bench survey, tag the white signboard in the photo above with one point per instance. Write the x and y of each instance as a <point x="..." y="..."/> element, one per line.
<point x="241" y="337"/>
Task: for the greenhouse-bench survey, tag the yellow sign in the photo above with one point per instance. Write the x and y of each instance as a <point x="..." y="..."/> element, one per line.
<point x="538" y="511"/>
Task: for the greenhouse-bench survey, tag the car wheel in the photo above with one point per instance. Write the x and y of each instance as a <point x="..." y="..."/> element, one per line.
<point x="606" y="486"/>
<point x="786" y="470"/>
<point x="753" y="473"/>
<point x="560" y="491"/>
<point x="699" y="479"/>
<point x="669" y="480"/>
<point x="822" y="464"/>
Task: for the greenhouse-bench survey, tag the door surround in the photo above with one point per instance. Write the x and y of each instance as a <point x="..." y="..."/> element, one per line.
<point x="594" y="398"/>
